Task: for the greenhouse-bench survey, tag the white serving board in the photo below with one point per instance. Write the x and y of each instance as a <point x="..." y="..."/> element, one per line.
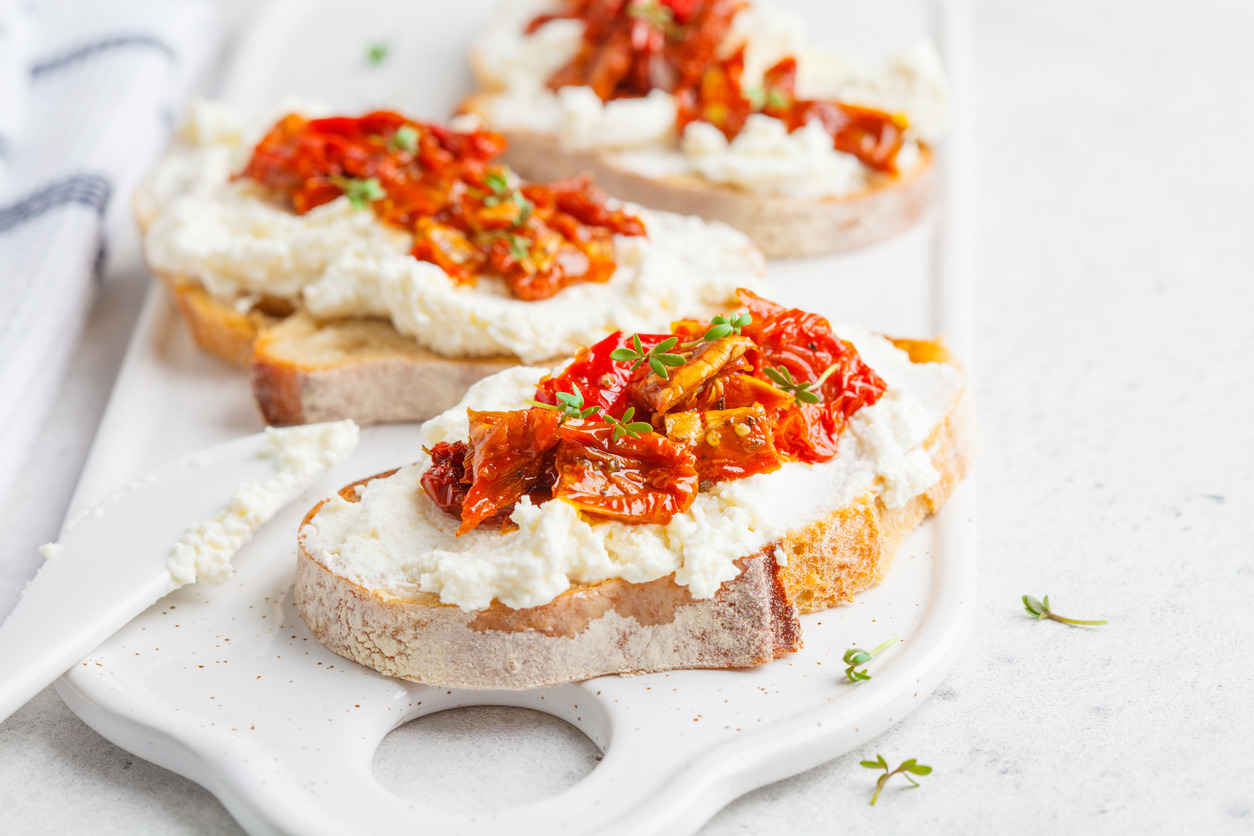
<point x="225" y="685"/>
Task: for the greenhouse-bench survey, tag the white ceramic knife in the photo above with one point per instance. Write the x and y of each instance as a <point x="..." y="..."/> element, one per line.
<point x="111" y="564"/>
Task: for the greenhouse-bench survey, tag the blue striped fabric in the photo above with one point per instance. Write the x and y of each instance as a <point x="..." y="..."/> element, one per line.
<point x="86" y="90"/>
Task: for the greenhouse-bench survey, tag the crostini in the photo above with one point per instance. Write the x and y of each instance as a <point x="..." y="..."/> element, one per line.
<point x="373" y="267"/>
<point x="716" y="108"/>
<point x="662" y="501"/>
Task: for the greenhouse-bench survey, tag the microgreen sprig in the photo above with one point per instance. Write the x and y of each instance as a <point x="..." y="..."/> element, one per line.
<point x="652" y="11"/>
<point x="517" y="248"/>
<point x="657" y="357"/>
<point x="405" y="139"/>
<point x="1041" y="610"/>
<point x="625" y="426"/>
<point x="802" y="392"/>
<point x="517" y="244"/>
<point x="759" y="98"/>
<point x="907" y="767"/>
<point x="502" y="192"/>
<point x="856" y="656"/>
<point x="569" y="404"/>
<point x="377" y="53"/>
<point x="723" y="326"/>
<point x="360" y="193"/>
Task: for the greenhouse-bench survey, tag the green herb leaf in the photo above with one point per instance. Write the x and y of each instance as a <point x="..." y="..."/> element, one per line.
<point x="657" y="357"/>
<point x="525" y="208"/>
<point x="856" y="656"/>
<point x="377" y="53"/>
<point x="775" y="98"/>
<point x="906" y="767"/>
<point x="657" y="14"/>
<point x="360" y="193"/>
<point x="405" y="139"/>
<point x="1041" y="610"/>
<point x="722" y="326"/>
<point x="517" y="248"/>
<point x="569" y="404"/>
<point x="497" y="181"/>
<point x="808" y="392"/>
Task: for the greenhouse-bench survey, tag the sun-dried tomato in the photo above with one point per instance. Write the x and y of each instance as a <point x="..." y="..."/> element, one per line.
<point x="630" y="48"/>
<point x="726" y="443"/>
<point x="803" y="343"/>
<point x="508" y="456"/>
<point x="633" y="46"/>
<point x="716" y="96"/>
<point x="601" y="380"/>
<point x="702" y="362"/>
<point x="648" y="479"/>
<point x="715" y="416"/>
<point x="445" y="480"/>
<point x="445" y="188"/>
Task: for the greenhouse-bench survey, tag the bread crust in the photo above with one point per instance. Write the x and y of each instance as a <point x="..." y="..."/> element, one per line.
<point x="608" y="627"/>
<point x="780" y="226"/>
<point x="618" y="627"/>
<point x="305" y="371"/>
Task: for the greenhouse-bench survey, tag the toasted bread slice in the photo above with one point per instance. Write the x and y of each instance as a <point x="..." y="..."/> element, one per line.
<point x="620" y="627"/>
<point x="305" y="370"/>
<point x="780" y="226"/>
<point x="609" y="627"/>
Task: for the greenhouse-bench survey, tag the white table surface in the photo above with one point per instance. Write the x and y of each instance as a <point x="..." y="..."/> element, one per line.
<point x="1114" y="354"/>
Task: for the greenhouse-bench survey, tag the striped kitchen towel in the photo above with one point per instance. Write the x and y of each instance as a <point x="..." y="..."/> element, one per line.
<point x="89" y="91"/>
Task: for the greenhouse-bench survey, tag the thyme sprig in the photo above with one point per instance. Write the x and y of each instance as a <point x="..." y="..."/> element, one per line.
<point x="722" y="326"/>
<point x="503" y="192"/>
<point x="571" y="405"/>
<point x="657" y="357"/>
<point x="1041" y="610"/>
<point x="906" y="768"/>
<point x="808" y="392"/>
<point x="360" y="192"/>
<point x="856" y="656"/>
<point x="625" y="426"/>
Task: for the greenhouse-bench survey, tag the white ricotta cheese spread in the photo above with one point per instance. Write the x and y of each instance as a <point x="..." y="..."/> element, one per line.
<point x="342" y="262"/>
<point x="396" y="540"/>
<point x="639" y="134"/>
<point x="299" y="455"/>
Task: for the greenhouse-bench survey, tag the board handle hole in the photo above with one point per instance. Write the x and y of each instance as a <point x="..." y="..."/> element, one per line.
<point x="484" y="757"/>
